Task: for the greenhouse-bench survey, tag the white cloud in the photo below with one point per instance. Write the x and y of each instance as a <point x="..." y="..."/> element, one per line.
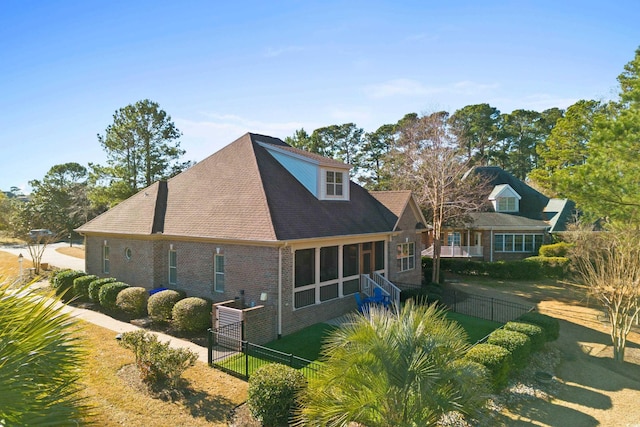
<point x="414" y="88"/>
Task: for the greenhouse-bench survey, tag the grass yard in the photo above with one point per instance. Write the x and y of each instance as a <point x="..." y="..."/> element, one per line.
<point x="475" y="328"/>
<point x="305" y="343"/>
<point x="109" y="380"/>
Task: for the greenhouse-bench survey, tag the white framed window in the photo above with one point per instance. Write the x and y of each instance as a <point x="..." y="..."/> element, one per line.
<point x="334" y="183"/>
<point x="453" y="239"/>
<point x="405" y="257"/>
<point x="218" y="273"/>
<point x="517" y="242"/>
<point x="106" y="263"/>
<point x="507" y="204"/>
<point x="173" y="267"/>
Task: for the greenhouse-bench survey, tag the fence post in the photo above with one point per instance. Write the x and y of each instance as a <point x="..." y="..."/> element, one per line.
<point x="492" y="303"/>
<point x="210" y="346"/>
<point x="245" y="351"/>
<point x="455" y="301"/>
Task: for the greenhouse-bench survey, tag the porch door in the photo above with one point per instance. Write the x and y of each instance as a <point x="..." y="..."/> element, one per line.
<point x="366" y="258"/>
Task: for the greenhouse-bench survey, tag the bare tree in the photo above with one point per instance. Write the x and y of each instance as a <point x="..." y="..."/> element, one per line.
<point x="427" y="161"/>
<point x="608" y="262"/>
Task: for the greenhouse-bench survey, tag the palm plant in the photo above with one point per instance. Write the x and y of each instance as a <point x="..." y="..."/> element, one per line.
<point x="39" y="361"/>
<point x="387" y="368"/>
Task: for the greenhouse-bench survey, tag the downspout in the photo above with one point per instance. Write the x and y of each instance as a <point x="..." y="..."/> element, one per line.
<point x="279" y="306"/>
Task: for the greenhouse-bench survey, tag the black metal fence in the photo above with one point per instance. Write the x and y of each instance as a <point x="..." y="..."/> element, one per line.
<point x="483" y="307"/>
<point x="229" y="353"/>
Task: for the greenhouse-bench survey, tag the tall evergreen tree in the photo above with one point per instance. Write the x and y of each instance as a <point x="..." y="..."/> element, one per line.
<point x="142" y="147"/>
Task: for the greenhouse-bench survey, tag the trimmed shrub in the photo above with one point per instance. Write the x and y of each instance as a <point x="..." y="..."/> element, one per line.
<point x="133" y="300"/>
<point x="63" y="283"/>
<point x="81" y="285"/>
<point x="517" y="343"/>
<point x="560" y="249"/>
<point x="553" y="267"/>
<point x="94" y="287"/>
<point x="549" y="325"/>
<point x="109" y="293"/>
<point x="192" y="314"/>
<point x="496" y="359"/>
<point x="534" y="332"/>
<point x="272" y="393"/>
<point x="527" y="269"/>
<point x="161" y="304"/>
<point x="54" y="274"/>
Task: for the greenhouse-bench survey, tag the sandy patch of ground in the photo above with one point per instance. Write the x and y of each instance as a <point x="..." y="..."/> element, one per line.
<point x="592" y="389"/>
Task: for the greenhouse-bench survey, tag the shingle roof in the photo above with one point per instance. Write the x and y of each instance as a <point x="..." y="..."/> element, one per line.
<point x="532" y="202"/>
<point x="243" y="193"/>
<point x="395" y="201"/>
<point x="497" y="219"/>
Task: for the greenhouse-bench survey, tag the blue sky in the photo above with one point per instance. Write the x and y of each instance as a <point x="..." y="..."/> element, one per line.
<point x="221" y="69"/>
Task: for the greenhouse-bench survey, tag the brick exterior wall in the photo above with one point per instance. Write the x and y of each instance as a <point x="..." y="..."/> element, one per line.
<point x="410" y="278"/>
<point x="260" y="324"/>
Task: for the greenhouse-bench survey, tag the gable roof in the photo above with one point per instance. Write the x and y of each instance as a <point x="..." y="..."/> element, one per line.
<point x="498" y="220"/>
<point x="398" y="202"/>
<point x="503" y="190"/>
<point x="532" y="202"/>
<point x="243" y="193"/>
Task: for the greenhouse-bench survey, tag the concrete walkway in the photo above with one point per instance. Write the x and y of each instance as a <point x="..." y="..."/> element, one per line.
<point x="50" y="255"/>
<point x="59" y="260"/>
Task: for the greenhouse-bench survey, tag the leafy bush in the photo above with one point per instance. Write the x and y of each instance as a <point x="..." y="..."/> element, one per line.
<point x="496" y="359"/>
<point x="272" y="393"/>
<point x="94" y="287"/>
<point x="527" y="269"/>
<point x="534" y="332"/>
<point x="133" y="300"/>
<point x="54" y="274"/>
<point x="472" y="380"/>
<point x="553" y="267"/>
<point x="161" y="304"/>
<point x="427" y="271"/>
<point x="560" y="249"/>
<point x="192" y="314"/>
<point x="81" y="285"/>
<point x="109" y="293"/>
<point x="517" y="343"/>
<point x="158" y="362"/>
<point x="63" y="283"/>
<point x="549" y="325"/>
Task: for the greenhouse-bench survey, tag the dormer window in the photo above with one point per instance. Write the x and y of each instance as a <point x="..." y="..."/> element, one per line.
<point x="334" y="183"/>
<point x="507" y="204"/>
<point x="505" y="199"/>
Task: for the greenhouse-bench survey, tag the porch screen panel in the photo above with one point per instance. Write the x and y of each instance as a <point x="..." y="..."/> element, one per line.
<point x="305" y="267"/>
<point x="305" y="298"/>
<point x="350" y="260"/>
<point x="351" y="287"/>
<point x="498" y="242"/>
<point x="379" y="249"/>
<point x="328" y="263"/>
<point x="328" y="292"/>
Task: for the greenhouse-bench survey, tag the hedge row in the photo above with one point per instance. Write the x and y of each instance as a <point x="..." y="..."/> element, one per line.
<point x="529" y="268"/>
<point x="508" y="349"/>
<point x="186" y="314"/>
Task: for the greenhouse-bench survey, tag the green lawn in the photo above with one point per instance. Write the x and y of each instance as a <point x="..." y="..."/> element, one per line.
<point x="305" y="343"/>
<point x="475" y="328"/>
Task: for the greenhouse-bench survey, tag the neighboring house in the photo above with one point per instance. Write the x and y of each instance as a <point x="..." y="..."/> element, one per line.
<point x="262" y="223"/>
<point x="518" y="221"/>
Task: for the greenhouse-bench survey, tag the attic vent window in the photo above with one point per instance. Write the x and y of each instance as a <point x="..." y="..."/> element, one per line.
<point x="334" y="183"/>
<point x="507" y="204"/>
